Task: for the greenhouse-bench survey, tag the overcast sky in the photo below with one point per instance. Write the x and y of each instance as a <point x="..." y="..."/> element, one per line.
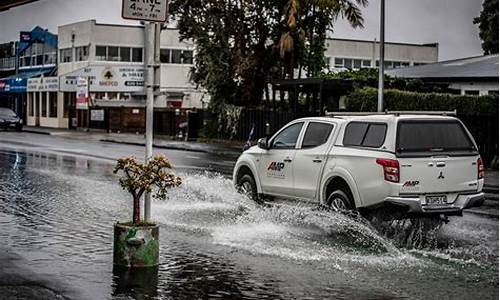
<point x="448" y="22"/>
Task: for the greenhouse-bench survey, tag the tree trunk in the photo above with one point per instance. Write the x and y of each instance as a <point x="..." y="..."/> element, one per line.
<point x="137" y="211"/>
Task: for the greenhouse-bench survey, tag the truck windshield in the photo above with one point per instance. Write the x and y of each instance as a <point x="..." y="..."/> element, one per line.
<point x="433" y="136"/>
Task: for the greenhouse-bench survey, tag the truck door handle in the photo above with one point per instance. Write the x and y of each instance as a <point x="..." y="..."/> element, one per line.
<point x="317" y="160"/>
<point x="287" y="159"/>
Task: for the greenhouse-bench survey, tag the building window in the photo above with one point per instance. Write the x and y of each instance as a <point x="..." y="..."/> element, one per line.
<point x="82" y="53"/>
<point x="165" y="56"/>
<point x="366" y="63"/>
<point x="419" y="63"/>
<point x="339" y="63"/>
<point x="176" y="56"/>
<point x="137" y="54"/>
<point x="472" y="92"/>
<point x="100" y="53"/>
<point x="44" y="104"/>
<point x="66" y="55"/>
<point x="124" y="54"/>
<point x="113" y="54"/>
<point x="493" y="92"/>
<point x="53" y="104"/>
<point x="187" y="57"/>
<point x="50" y="59"/>
<point x="357" y="64"/>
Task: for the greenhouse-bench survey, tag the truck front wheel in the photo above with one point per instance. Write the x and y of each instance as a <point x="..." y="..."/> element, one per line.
<point x="338" y="200"/>
<point x="247" y="186"/>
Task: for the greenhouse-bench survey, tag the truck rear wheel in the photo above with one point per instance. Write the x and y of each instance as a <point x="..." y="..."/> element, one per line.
<point x="246" y="186"/>
<point x="338" y="200"/>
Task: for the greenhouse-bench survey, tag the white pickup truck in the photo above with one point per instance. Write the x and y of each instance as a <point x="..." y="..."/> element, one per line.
<point x="417" y="163"/>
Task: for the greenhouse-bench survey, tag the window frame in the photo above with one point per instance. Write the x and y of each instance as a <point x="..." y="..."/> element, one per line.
<point x="270" y="143"/>
<point x="364" y="136"/>
<point x="301" y="147"/>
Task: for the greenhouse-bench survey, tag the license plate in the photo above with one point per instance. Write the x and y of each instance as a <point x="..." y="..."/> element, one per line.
<point x="435" y="200"/>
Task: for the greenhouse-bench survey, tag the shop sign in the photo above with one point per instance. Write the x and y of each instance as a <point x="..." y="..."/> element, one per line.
<point x="43" y="84"/>
<point x="82" y="93"/>
<point x="97" y="115"/>
<point x="106" y="79"/>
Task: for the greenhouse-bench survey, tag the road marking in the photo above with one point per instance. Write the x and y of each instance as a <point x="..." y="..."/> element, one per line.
<point x="193" y="157"/>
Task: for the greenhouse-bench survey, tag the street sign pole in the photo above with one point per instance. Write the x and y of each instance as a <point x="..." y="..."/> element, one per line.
<point x="149" y="51"/>
<point x="380" y="104"/>
<point x="153" y="13"/>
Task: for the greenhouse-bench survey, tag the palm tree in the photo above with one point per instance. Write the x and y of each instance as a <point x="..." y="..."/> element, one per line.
<point x="314" y="17"/>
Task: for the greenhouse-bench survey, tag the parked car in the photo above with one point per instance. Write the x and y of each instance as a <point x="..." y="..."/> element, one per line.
<point x="417" y="163"/>
<point x="9" y="119"/>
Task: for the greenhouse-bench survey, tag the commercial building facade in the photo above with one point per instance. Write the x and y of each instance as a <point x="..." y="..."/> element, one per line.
<point x="346" y="54"/>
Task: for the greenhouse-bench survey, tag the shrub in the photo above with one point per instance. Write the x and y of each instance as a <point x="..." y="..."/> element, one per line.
<point x="365" y="99"/>
<point x="139" y="178"/>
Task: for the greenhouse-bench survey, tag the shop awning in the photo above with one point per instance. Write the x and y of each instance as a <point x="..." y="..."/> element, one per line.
<point x="17" y="83"/>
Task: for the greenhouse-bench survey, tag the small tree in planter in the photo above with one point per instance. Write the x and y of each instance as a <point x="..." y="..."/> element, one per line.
<point x="136" y="243"/>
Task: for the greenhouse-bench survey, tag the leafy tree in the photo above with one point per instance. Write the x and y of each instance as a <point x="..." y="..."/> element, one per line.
<point x="139" y="178"/>
<point x="242" y="44"/>
<point x="488" y="26"/>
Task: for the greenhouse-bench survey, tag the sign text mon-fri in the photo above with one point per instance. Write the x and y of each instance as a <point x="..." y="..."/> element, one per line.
<point x="145" y="10"/>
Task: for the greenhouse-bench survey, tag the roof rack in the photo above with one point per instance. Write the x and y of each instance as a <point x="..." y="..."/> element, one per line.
<point x="391" y="112"/>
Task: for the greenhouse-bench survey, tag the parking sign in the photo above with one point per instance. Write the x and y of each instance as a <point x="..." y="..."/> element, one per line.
<point x="145" y="10"/>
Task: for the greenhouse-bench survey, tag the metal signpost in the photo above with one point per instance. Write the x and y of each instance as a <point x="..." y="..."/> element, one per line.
<point x="154" y="12"/>
<point x="380" y="104"/>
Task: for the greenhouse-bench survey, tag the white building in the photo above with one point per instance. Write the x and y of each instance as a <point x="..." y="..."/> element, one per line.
<point x="342" y="54"/>
<point x="471" y="76"/>
<point x="111" y="57"/>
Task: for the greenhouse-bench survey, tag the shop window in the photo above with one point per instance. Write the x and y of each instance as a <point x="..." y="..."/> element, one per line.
<point x="137" y="54"/>
<point x="69" y="102"/>
<point x="367" y="63"/>
<point x="165" y="56"/>
<point x="50" y="59"/>
<point x="53" y="104"/>
<point x="493" y="92"/>
<point x="43" y="107"/>
<point x="339" y="62"/>
<point x="39" y="60"/>
<point x="100" y="53"/>
<point x="112" y="96"/>
<point x="30" y="104"/>
<point x="348" y="63"/>
<point x="124" y="54"/>
<point x="113" y="54"/>
<point x="176" y="56"/>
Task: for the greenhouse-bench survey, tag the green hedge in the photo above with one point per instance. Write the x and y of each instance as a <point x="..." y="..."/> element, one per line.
<point x="365" y="99"/>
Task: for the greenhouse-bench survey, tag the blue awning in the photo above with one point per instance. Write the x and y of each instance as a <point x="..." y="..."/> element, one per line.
<point x="17" y="83"/>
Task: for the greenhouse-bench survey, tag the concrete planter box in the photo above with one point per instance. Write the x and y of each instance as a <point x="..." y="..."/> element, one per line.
<point x="136" y="246"/>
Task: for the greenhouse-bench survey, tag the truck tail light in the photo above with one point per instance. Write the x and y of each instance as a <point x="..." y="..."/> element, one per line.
<point x="391" y="169"/>
<point x="480" y="168"/>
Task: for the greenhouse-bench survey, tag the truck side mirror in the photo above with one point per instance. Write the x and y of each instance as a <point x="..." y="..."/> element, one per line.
<point x="262" y="143"/>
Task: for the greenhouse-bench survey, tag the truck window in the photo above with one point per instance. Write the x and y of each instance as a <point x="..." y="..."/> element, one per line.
<point x="287" y="138"/>
<point x="363" y="134"/>
<point x="432" y="136"/>
<point x="316" y="134"/>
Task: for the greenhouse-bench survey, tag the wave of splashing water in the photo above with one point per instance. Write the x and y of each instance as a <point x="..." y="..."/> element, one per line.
<point x="209" y="203"/>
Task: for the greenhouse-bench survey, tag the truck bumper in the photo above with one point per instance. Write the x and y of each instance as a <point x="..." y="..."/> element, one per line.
<point x="414" y="205"/>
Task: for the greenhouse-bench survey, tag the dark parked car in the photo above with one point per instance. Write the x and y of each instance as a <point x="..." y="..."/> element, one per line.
<point x="9" y="119"/>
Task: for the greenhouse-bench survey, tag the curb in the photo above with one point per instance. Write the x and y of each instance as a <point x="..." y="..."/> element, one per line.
<point x="228" y="153"/>
<point x="36" y="132"/>
<point x="481" y="213"/>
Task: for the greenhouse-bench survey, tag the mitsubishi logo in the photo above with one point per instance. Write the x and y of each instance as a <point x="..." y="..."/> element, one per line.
<point x="441" y="175"/>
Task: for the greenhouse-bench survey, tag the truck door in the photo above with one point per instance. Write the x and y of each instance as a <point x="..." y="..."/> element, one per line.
<point x="276" y="164"/>
<point x="310" y="158"/>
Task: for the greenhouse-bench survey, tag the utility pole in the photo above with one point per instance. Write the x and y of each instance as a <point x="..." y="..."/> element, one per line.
<point x="380" y="104"/>
<point x="149" y="64"/>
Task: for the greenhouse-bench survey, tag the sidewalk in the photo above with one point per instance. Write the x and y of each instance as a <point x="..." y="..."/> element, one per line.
<point x="162" y="142"/>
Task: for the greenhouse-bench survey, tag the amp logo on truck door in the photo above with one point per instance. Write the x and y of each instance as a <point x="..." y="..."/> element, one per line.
<point x="276" y="166"/>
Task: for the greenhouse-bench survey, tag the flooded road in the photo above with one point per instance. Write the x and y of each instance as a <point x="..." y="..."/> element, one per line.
<point x="57" y="214"/>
